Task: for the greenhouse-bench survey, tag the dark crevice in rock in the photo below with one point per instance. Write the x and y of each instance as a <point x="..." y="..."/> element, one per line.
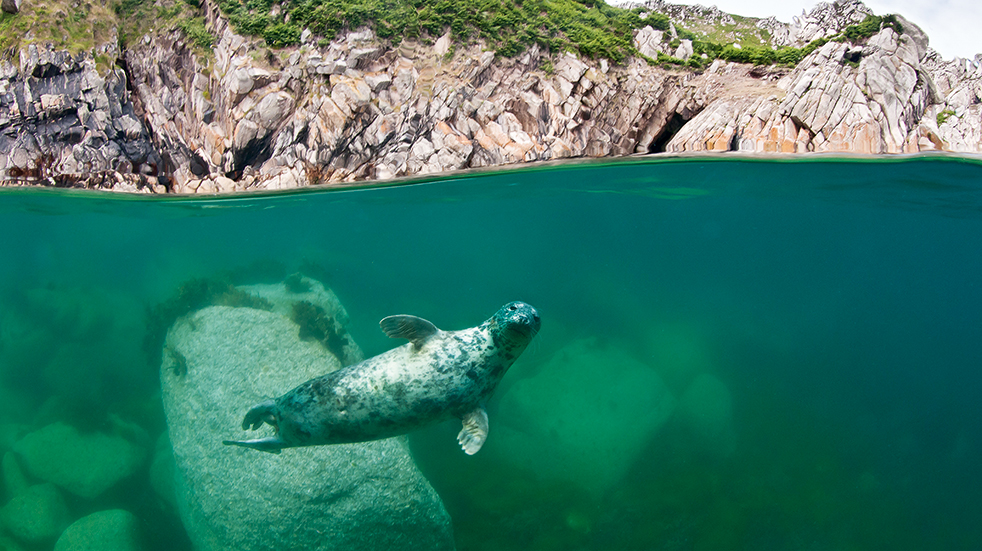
<point x="674" y="124"/>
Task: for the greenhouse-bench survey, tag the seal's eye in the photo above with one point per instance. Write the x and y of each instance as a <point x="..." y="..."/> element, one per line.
<point x="513" y="307"/>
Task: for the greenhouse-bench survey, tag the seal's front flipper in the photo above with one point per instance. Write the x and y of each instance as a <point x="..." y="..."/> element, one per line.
<point x="475" y="431"/>
<point x="271" y="444"/>
<point x="259" y="414"/>
<point x="417" y="330"/>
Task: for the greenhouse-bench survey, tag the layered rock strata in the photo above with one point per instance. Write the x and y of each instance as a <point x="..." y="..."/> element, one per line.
<point x="63" y="122"/>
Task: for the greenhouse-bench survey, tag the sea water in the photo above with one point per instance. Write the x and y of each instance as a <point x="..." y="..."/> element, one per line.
<point x="735" y="353"/>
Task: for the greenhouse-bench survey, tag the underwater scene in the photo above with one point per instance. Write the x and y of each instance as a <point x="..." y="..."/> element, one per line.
<point x="734" y="353"/>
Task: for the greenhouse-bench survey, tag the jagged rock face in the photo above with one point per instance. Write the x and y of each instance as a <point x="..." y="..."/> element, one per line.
<point x="63" y="123"/>
<point x="886" y="102"/>
<point x="825" y="19"/>
<point x="357" y="109"/>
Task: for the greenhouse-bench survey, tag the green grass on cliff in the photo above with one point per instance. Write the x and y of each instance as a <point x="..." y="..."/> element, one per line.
<point x="138" y="17"/>
<point x="90" y="26"/>
<point x="762" y="54"/>
<point x="75" y="26"/>
<point x="588" y="27"/>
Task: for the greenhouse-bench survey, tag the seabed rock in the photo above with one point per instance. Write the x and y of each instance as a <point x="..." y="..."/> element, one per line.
<point x="36" y="515"/>
<point x="219" y="362"/>
<point x="85" y="464"/>
<point x="584" y="417"/>
<point x="113" y="530"/>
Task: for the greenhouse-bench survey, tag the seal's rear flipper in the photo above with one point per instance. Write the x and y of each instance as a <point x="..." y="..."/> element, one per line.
<point x="270" y="444"/>
<point x="475" y="431"/>
<point x="259" y="414"/>
<point x="402" y="326"/>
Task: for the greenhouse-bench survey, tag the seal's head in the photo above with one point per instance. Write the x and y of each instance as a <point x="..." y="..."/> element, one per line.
<point x="515" y="324"/>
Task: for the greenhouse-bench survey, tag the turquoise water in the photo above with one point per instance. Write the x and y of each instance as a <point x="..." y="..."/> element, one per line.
<point x="813" y="327"/>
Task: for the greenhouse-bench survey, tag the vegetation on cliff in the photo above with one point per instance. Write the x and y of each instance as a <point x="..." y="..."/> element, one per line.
<point x="590" y="28"/>
<point x="97" y="28"/>
<point x="72" y="26"/>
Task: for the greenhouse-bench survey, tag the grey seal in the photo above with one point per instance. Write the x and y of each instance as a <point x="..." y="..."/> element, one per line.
<point x="438" y="375"/>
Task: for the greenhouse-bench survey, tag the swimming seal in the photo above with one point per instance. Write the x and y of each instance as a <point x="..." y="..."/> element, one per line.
<point x="436" y="376"/>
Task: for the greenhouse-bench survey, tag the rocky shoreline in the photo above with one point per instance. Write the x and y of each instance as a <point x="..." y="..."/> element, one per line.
<point x="167" y="119"/>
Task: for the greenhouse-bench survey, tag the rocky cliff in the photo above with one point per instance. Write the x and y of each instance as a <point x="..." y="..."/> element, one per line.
<point x="171" y="118"/>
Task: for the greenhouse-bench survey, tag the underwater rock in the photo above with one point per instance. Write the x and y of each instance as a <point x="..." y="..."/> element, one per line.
<point x="10" y="433"/>
<point x="85" y="464"/>
<point x="705" y="411"/>
<point x="14" y="480"/>
<point x="36" y="515"/>
<point x="584" y="417"/>
<point x="113" y="530"/>
<point x="353" y="497"/>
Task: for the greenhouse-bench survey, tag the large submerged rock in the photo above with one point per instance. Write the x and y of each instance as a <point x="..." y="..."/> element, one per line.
<point x="220" y="361"/>
<point x="583" y="418"/>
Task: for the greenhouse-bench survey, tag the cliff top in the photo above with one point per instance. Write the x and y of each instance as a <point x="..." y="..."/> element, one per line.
<point x="589" y="28"/>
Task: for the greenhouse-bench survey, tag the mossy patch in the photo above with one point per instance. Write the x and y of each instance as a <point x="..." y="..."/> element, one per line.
<point x="943" y="116"/>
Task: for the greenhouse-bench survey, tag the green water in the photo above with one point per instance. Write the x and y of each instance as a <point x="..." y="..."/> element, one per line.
<point x="816" y="324"/>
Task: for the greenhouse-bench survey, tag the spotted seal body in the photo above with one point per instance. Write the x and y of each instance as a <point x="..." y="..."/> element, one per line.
<point x="437" y="376"/>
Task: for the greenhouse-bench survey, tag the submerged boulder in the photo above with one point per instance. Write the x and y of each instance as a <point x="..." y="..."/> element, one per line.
<point x="85" y="464"/>
<point x="36" y="515"/>
<point x="220" y="361"/>
<point x="584" y="417"/>
<point x="113" y="530"/>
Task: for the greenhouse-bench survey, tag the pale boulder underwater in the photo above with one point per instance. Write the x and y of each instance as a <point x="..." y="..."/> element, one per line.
<point x="438" y="375"/>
